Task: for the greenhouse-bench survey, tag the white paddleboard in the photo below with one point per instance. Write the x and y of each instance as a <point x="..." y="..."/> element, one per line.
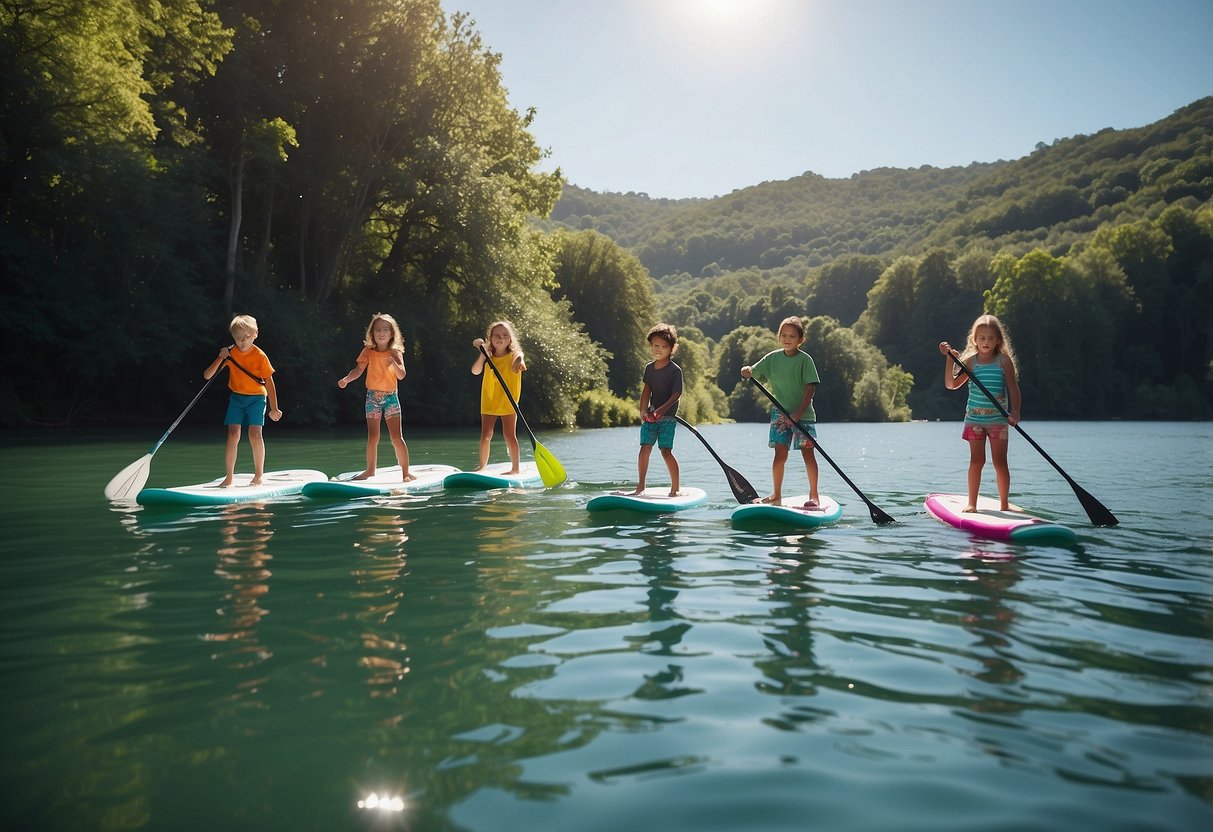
<point x="496" y="475"/>
<point x="652" y="500"/>
<point x="385" y="481"/>
<point x="990" y="521"/>
<point x="790" y="511"/>
<point x="273" y="484"/>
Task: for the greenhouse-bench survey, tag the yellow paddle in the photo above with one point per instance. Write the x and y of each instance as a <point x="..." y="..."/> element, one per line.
<point x="550" y="469"/>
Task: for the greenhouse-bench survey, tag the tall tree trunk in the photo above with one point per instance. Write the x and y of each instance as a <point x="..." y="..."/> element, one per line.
<point x="263" y="255"/>
<point x="233" y="234"/>
<point x="303" y="219"/>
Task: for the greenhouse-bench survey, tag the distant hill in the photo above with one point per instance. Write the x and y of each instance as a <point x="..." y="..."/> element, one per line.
<point x="1051" y="198"/>
<point x="1097" y="249"/>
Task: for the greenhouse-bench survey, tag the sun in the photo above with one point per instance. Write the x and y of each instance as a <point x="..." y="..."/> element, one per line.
<point x="721" y="11"/>
<point x="725" y="22"/>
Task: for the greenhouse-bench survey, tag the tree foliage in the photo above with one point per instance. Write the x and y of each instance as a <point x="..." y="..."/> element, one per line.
<point x="611" y="294"/>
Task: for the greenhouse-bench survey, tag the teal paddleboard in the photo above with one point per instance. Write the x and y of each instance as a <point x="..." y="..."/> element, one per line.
<point x="790" y="511"/>
<point x="273" y="484"/>
<point x="496" y="475"/>
<point x="651" y="500"/>
<point x="386" y="481"/>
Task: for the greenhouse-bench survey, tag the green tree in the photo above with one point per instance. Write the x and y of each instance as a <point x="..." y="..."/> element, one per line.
<point x="1062" y="316"/>
<point x="840" y="289"/>
<point x="99" y="198"/>
<point x="611" y="294"/>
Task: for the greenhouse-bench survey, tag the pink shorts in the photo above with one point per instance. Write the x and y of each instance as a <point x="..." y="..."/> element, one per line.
<point x="980" y="432"/>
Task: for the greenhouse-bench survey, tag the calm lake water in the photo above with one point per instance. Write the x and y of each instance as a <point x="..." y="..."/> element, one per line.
<point x="507" y="660"/>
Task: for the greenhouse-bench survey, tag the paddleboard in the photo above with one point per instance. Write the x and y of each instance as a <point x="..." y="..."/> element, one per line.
<point x="989" y="521"/>
<point x="651" y="500"/>
<point x="789" y="511"/>
<point x="496" y="476"/>
<point x="273" y="484"/>
<point x="385" y="481"/>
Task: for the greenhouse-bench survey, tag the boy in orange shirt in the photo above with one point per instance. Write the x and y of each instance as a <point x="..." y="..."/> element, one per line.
<point x="251" y="381"/>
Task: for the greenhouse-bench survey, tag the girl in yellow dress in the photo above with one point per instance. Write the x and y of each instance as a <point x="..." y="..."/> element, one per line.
<point x="501" y="343"/>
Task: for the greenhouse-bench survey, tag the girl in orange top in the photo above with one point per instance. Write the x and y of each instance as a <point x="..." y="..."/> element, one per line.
<point x="382" y="359"/>
<point x="494" y="404"/>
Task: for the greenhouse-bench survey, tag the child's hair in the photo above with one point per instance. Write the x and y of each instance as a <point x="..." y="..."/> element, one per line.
<point x="397" y="338"/>
<point x="1004" y="339"/>
<point x="244" y="323"/>
<point x="514" y="348"/>
<point x="795" y="323"/>
<point x="663" y="330"/>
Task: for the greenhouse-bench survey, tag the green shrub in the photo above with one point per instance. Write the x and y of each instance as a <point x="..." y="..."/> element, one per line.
<point x="603" y="409"/>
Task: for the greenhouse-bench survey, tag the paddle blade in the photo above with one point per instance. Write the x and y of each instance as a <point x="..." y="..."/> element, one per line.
<point x="549" y="467"/>
<point x="1097" y="511"/>
<point x="879" y="516"/>
<point x="742" y="490"/>
<point x="130" y="480"/>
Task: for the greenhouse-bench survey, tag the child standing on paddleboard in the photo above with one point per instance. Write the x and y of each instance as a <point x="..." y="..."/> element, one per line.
<point x="793" y="379"/>
<point x="501" y="343"/>
<point x="659" y="405"/>
<point x="251" y="380"/>
<point x="989" y="357"/>
<point x="382" y="359"/>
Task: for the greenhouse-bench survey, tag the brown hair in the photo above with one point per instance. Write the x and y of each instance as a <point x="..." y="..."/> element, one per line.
<point x="793" y="321"/>
<point x="665" y="331"/>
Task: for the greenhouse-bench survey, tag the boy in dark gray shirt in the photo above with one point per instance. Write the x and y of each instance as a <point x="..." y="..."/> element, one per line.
<point x="659" y="404"/>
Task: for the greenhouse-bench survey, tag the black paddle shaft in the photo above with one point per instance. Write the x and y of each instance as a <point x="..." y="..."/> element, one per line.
<point x="1096" y="511"/>
<point x="879" y="516"/>
<point x="742" y="490"/>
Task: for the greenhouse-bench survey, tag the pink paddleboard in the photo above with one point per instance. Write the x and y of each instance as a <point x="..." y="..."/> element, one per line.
<point x="989" y="521"/>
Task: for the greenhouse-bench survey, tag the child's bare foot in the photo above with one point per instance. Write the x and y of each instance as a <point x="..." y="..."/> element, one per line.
<point x="365" y="475"/>
<point x="969" y="509"/>
<point x="255" y="480"/>
<point x="409" y="477"/>
<point x="227" y="483"/>
<point x="674" y="492"/>
<point x="774" y="498"/>
<point x="513" y="470"/>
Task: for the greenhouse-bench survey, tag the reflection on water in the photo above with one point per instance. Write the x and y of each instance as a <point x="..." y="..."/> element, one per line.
<point x="243" y="559"/>
<point x="990" y="618"/>
<point x="379" y="566"/>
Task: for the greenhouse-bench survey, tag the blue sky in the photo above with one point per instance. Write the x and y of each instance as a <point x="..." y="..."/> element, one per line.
<point x="682" y="98"/>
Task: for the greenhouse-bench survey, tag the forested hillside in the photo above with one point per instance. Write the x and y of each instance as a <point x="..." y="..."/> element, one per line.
<point x="1097" y="249"/>
<point x="163" y="165"/>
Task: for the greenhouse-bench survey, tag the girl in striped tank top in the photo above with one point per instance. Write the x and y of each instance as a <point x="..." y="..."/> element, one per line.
<point x="989" y="357"/>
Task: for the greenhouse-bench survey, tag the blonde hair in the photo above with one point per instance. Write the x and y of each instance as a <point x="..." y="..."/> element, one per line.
<point x="793" y="321"/>
<point x="244" y="323"/>
<point x="514" y="348"/>
<point x="397" y="338"/>
<point x="1003" y="347"/>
